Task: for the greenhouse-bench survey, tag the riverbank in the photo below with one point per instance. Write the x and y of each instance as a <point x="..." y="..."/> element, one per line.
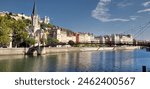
<point x="23" y="51"/>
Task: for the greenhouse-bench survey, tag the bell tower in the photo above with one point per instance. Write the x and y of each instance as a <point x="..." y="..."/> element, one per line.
<point x="35" y="19"/>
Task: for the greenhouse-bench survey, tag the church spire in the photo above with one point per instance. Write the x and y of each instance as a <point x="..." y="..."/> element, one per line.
<point x="34" y="12"/>
<point x="35" y="19"/>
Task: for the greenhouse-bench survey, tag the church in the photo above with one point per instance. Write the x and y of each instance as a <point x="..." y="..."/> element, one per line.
<point x="35" y="30"/>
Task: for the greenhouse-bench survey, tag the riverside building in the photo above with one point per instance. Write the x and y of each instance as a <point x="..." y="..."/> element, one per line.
<point x="117" y="39"/>
<point x="64" y="35"/>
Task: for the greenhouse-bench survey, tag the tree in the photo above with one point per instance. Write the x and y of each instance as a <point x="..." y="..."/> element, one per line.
<point x="44" y="25"/>
<point x="10" y="26"/>
<point x="10" y="13"/>
<point x="52" y="41"/>
<point x="30" y="41"/>
<point x="27" y="22"/>
<point x="5" y="31"/>
<point x="72" y="43"/>
<point x="19" y="32"/>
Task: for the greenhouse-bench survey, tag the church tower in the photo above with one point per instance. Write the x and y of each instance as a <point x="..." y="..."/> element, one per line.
<point x="35" y="19"/>
<point x="35" y="30"/>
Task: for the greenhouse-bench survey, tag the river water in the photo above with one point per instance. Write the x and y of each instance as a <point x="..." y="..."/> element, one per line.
<point x="93" y="61"/>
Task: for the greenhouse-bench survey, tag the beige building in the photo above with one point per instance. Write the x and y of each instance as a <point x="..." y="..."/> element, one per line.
<point x="62" y="35"/>
<point x="117" y="39"/>
<point x="65" y="36"/>
<point x="46" y="20"/>
<point x="3" y="13"/>
<point x="20" y="16"/>
<point x="15" y="16"/>
<point x="85" y="38"/>
<point x="122" y="38"/>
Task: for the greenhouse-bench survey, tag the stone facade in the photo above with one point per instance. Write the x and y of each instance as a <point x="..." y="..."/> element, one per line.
<point x="122" y="38"/>
<point x="46" y="20"/>
<point x="65" y="36"/>
<point x="116" y="39"/>
<point x="85" y="37"/>
<point x="62" y="35"/>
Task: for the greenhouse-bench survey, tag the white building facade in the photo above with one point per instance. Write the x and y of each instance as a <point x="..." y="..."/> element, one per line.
<point x="117" y="39"/>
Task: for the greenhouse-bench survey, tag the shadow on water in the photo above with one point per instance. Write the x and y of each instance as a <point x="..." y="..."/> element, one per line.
<point x="26" y="64"/>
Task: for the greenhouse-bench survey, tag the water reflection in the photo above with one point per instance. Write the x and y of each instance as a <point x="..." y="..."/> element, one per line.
<point x="96" y="61"/>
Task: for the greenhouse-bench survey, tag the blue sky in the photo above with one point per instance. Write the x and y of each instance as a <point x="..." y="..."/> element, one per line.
<point x="96" y="16"/>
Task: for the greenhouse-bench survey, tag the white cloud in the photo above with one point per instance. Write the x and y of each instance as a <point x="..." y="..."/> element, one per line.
<point x="101" y="12"/>
<point x="133" y="17"/>
<point x="145" y="10"/>
<point x="116" y="19"/>
<point x="124" y="3"/>
<point x="146" y="4"/>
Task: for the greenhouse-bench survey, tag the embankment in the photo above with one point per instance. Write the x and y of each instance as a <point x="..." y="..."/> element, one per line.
<point x="23" y="51"/>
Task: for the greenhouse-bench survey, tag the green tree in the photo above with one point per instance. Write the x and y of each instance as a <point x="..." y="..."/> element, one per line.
<point x="52" y="41"/>
<point x="9" y="26"/>
<point x="5" y="31"/>
<point x="27" y="22"/>
<point x="30" y="41"/>
<point x="44" y="25"/>
<point x="72" y="43"/>
<point x="19" y="32"/>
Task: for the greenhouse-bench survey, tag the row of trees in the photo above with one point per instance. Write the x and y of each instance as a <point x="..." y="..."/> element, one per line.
<point x="15" y="31"/>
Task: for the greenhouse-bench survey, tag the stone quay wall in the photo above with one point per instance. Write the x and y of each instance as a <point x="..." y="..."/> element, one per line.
<point x="23" y="51"/>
